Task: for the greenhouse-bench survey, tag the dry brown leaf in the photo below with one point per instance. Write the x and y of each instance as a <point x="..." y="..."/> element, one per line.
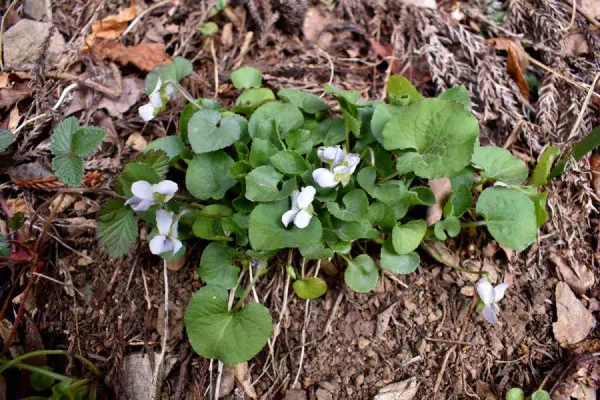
<point x="441" y="188"/>
<point x="575" y="45"/>
<point x="574" y="321"/>
<point x="62" y="202"/>
<point x="11" y="96"/>
<point x="517" y="62"/>
<point x="13" y="119"/>
<point x="583" y="372"/>
<point x="131" y="92"/>
<point x="136" y="141"/>
<point x="111" y="27"/>
<point x="145" y="56"/>
<point x="576" y="275"/>
<point x="383" y="320"/>
<point x="404" y="390"/>
<point x="484" y="391"/>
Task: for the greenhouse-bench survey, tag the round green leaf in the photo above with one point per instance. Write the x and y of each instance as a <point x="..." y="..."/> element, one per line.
<point x="246" y="78"/>
<point x="285" y="116"/>
<point x="309" y="288"/>
<point x="207" y="178"/>
<point x="498" y="164"/>
<point x="6" y="138"/>
<point x="398" y="87"/>
<point x="289" y="162"/>
<point x="208" y="131"/>
<point x="208" y="28"/>
<point x="267" y="232"/>
<point x="510" y="216"/>
<point x="540" y="395"/>
<point x="361" y="274"/>
<point x="407" y="237"/>
<point x="356" y="206"/>
<point x="422" y="196"/>
<point x="515" y="394"/>
<point x="382" y="114"/>
<point x="441" y="132"/>
<point x="307" y="102"/>
<point x="459" y="202"/>
<point x="398" y="263"/>
<point x="191" y="109"/>
<point x="262" y="185"/>
<point x="218" y="333"/>
<point x="251" y="99"/>
<point x="215" y="265"/>
<point x="171" y="145"/>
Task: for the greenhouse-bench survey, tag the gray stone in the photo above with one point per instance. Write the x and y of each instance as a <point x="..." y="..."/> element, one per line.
<point x="295" y="394"/>
<point x="34" y="9"/>
<point x="323" y="394"/>
<point x="22" y="45"/>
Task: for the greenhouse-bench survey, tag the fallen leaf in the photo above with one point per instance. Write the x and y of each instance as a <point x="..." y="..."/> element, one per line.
<point x="242" y="375"/>
<point x="136" y="141"/>
<point x="575" y="45"/>
<point x="404" y="390"/>
<point x="13" y="119"/>
<point x="441" y="189"/>
<point x="422" y="3"/>
<point x="111" y="27"/>
<point x="574" y="321"/>
<point x="227" y="381"/>
<point x="7" y="78"/>
<point x="227" y="35"/>
<point x="517" y="62"/>
<point x="145" y="56"/>
<point x="131" y="92"/>
<point x="575" y="274"/>
<point x="383" y="320"/>
<point x="11" y="96"/>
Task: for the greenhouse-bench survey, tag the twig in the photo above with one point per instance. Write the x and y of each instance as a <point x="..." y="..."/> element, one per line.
<point x="216" y="65"/>
<point x="158" y="367"/>
<point x="146" y="293"/>
<point x="552" y="71"/>
<point x="142" y="14"/>
<point x="572" y="21"/>
<point x="109" y="92"/>
<point x="331" y="65"/>
<point x="585" y="14"/>
<point x="583" y="108"/>
<point x="219" y="378"/>
<point x="336" y="305"/>
<point x="58" y="282"/>
<point x="8" y="10"/>
<point x="448" y="341"/>
<point x="29" y="121"/>
<point x="64" y="95"/>
<point x="512" y="138"/>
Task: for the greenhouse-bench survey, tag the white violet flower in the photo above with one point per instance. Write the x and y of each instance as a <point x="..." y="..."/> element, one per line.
<point x="146" y="195"/>
<point x="302" y="209"/>
<point x="490" y="295"/>
<point x="341" y="167"/>
<point x="158" y="99"/>
<point x="166" y="240"/>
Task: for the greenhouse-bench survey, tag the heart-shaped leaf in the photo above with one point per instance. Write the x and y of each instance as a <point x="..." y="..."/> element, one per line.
<point x="227" y="335"/>
<point x="307" y="102"/>
<point x="208" y="131"/>
<point x="207" y="178"/>
<point x="361" y="274"/>
<point x="498" y="164"/>
<point x="171" y="145"/>
<point x="285" y="117"/>
<point x="289" y="162"/>
<point x="310" y="288"/>
<point x="246" y="78"/>
<point x="215" y="265"/>
<point x="398" y="263"/>
<point x="357" y="206"/>
<point x="407" y="237"/>
<point x="262" y="185"/>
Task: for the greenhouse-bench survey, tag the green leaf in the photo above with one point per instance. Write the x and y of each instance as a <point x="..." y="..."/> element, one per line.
<point x="587" y="144"/>
<point x="155" y="159"/>
<point x="540" y="395"/>
<point x="251" y="99"/>
<point x="246" y="78"/>
<point x="135" y="171"/>
<point x="407" y="237"/>
<point x="62" y="138"/>
<point x="515" y="394"/>
<point x="239" y="170"/>
<point x="117" y="228"/>
<point x="262" y="185"/>
<point x="218" y="333"/>
<point x="350" y="96"/>
<point x="289" y="162"/>
<point x="191" y="109"/>
<point x="382" y="215"/>
<point x="267" y="232"/>
<point x="348" y="231"/>
<point x="85" y="140"/>
<point x="176" y="71"/>
<point x="317" y="252"/>
<point x="441" y="132"/>
<point x="4" y="246"/>
<point x="261" y="152"/>
<point x="460" y="94"/>
<point x="361" y="274"/>
<point x="40" y="381"/>
<point x="422" y="196"/>
<point x="216" y="265"/>
<point x="544" y="166"/>
<point x="285" y="116"/>
<point x="510" y="216"/>
<point x="309" y="288"/>
<point x="356" y="206"/>
<point x="464" y="177"/>
<point x="208" y="131"/>
<point x="330" y="132"/>
<point x="208" y="28"/>
<point x="539" y="203"/>
<point x="445" y="228"/>
<point x="17" y="221"/>
<point x="498" y="164"/>
<point x="394" y="194"/>
<point x="172" y="145"/>
<point x="299" y="140"/>
<point x="401" y="91"/>
<point x="206" y="177"/>
<point x="382" y="114"/>
<point x="6" y="138"/>
<point x="459" y="202"/>
<point x="68" y="169"/>
<point x="366" y="179"/>
<point x="398" y="263"/>
<point x="307" y="102"/>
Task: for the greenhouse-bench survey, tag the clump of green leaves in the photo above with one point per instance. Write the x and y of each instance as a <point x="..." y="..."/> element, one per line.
<point x="70" y="143"/>
<point x="519" y="394"/>
<point x="367" y="171"/>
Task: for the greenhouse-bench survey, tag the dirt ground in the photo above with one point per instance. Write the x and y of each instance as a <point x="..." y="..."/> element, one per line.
<point x="349" y="345"/>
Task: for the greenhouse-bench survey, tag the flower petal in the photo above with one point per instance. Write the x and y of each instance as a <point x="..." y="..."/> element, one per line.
<point x="332" y="154"/>
<point x="288" y="217"/>
<point x="324" y="178"/>
<point x="156" y="100"/>
<point x="134" y="200"/>
<point x="169" y="90"/>
<point x="142" y="205"/>
<point x="295" y="195"/>
<point x="177" y="245"/>
<point x="157" y="244"/>
<point x="164" y="220"/>
<point x="142" y="190"/>
<point x="485" y="290"/>
<point x="166" y="187"/>
<point x="146" y="112"/>
<point x="490" y="313"/>
<point x="352" y="159"/>
<point x="302" y="219"/>
<point x="306" y="196"/>
<point x="173" y="234"/>
<point x="499" y="291"/>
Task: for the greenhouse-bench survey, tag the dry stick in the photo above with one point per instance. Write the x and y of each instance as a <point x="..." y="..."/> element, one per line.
<point x="585" y="14"/>
<point x="448" y="341"/>
<point x="109" y="92"/>
<point x="216" y="65"/>
<point x="584" y="106"/>
<point x="158" y="367"/>
<point x="553" y="71"/>
<point x="64" y="95"/>
<point x="142" y="14"/>
<point x="219" y="378"/>
<point x="568" y="28"/>
<point x="438" y="381"/>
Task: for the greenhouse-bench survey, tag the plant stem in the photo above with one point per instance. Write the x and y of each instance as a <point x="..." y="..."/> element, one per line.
<point x="248" y="289"/>
<point x="472" y="224"/>
<point x="183" y="92"/>
<point x="42" y="371"/>
<point x="5" y="364"/>
<point x="387" y="178"/>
